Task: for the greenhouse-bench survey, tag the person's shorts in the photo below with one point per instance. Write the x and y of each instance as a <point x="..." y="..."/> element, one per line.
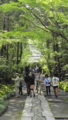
<point x="55" y="87"/>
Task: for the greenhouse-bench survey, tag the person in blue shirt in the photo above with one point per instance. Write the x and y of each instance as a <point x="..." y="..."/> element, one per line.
<point x="47" y="82"/>
<point x="20" y="88"/>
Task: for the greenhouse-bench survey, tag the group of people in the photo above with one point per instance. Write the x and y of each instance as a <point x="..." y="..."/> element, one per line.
<point x="54" y="83"/>
<point x="34" y="82"/>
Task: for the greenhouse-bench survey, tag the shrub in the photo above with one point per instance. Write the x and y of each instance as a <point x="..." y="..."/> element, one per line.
<point x="3" y="105"/>
<point x="5" y="89"/>
<point x="64" y="85"/>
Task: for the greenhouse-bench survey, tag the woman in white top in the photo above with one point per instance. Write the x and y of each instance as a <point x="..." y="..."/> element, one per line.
<point x="55" y="81"/>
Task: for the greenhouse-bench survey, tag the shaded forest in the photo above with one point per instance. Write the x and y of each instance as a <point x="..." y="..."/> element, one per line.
<point x="43" y="23"/>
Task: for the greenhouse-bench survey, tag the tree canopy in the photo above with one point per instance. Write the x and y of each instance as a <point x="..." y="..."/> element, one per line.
<point x="45" y="23"/>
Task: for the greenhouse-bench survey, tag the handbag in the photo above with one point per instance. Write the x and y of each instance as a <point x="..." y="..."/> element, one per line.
<point x="31" y="86"/>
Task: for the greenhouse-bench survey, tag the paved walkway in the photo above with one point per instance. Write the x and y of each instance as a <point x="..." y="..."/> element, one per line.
<point x="59" y="106"/>
<point x="37" y="108"/>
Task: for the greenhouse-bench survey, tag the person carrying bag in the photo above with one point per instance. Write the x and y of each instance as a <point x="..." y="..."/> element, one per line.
<point x="47" y="83"/>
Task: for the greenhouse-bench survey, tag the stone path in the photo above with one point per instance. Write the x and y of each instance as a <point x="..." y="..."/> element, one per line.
<point x="59" y="106"/>
<point x="37" y="108"/>
<point x="40" y="107"/>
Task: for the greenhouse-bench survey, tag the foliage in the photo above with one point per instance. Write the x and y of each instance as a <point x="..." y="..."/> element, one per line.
<point x="3" y="106"/>
<point x="65" y="67"/>
<point x="45" y="22"/>
<point x="4" y="89"/>
<point x="64" y="85"/>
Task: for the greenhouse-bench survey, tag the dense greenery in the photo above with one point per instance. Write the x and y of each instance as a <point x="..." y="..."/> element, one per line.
<point x="3" y="106"/>
<point x="5" y="89"/>
<point x="64" y="85"/>
<point x="45" y="24"/>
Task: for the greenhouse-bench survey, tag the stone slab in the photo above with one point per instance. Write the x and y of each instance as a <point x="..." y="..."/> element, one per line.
<point x="26" y="114"/>
<point x="26" y="118"/>
<point x="28" y="105"/>
<point x="44" y="105"/>
<point x="28" y="100"/>
<point x="50" y="118"/>
<point x="35" y="104"/>
<point x="27" y="108"/>
<point x="47" y="113"/>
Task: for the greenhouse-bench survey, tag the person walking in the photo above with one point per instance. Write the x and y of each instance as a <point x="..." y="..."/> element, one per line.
<point x="55" y="82"/>
<point x="20" y="88"/>
<point x="47" y="82"/>
<point x="27" y="80"/>
<point x="39" y="80"/>
<point x="32" y="84"/>
<point x="17" y="82"/>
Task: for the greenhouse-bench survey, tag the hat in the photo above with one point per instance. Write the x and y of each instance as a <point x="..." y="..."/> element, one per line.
<point x="16" y="73"/>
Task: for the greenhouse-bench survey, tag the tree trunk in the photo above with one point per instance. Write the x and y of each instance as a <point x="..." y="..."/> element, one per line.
<point x="48" y="58"/>
<point x="56" y="58"/>
<point x="20" y="50"/>
<point x="17" y="53"/>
